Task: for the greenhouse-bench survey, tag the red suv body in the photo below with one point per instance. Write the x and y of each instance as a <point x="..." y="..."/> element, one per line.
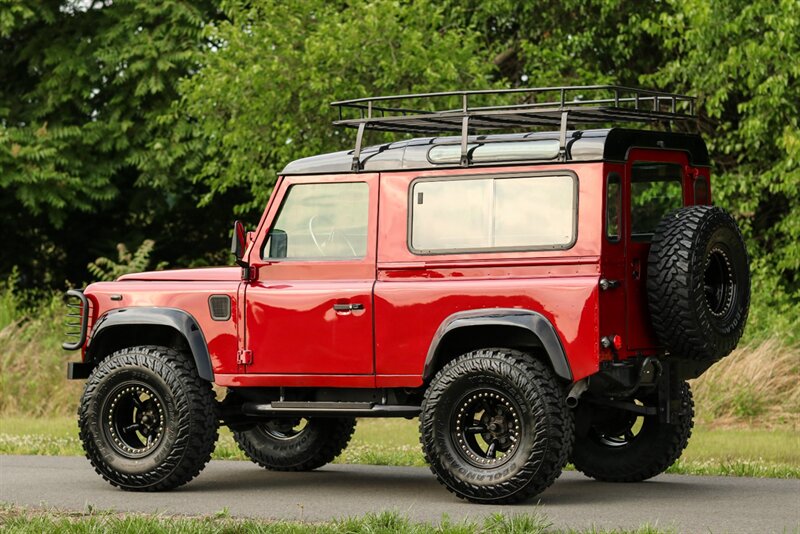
<point x="364" y="284"/>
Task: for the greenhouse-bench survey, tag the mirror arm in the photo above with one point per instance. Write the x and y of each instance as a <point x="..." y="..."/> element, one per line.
<point x="238" y="246"/>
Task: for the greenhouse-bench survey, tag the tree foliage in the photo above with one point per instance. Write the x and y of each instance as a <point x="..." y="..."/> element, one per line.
<point x="263" y="96"/>
<point x="738" y="58"/>
<point x="127" y="262"/>
<point x="125" y="120"/>
<point x="83" y="87"/>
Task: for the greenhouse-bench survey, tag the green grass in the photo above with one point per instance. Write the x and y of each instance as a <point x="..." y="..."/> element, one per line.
<point x="23" y="520"/>
<point x="733" y="452"/>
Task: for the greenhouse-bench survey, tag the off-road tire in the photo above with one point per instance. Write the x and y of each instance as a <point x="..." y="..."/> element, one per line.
<point x="544" y="425"/>
<point x="698" y="283"/>
<point x="318" y="443"/>
<point x="651" y="452"/>
<point x="189" y="424"/>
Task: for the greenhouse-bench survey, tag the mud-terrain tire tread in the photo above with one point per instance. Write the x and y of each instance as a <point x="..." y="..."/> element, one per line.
<point x="197" y="426"/>
<point x="335" y="434"/>
<point x="664" y="449"/>
<point x="675" y="284"/>
<point x="540" y="386"/>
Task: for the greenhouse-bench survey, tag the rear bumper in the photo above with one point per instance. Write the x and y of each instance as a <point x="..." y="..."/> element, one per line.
<point x="78" y="370"/>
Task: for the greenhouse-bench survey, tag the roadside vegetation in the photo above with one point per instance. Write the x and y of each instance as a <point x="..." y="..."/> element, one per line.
<point x="24" y="520"/>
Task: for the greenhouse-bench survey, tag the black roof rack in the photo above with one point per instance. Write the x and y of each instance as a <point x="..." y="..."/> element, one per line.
<point x="540" y="106"/>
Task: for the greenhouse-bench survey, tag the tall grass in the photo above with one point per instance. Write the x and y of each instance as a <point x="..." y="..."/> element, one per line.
<point x="32" y="364"/>
<point x="757" y="385"/>
<point x="36" y="520"/>
<point x="8" y="303"/>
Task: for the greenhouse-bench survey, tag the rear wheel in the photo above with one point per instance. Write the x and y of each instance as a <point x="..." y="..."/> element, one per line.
<point x="147" y="421"/>
<point x="494" y="427"/>
<point x="621" y="446"/>
<point x="296" y="444"/>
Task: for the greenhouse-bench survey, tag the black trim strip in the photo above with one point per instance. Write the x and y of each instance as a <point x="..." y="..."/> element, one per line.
<point x="179" y="320"/>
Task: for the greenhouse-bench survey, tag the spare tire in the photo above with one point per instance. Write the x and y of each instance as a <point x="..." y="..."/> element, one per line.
<point x="698" y="283"/>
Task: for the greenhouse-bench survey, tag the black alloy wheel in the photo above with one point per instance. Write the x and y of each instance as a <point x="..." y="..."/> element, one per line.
<point x="147" y="421"/>
<point x="134" y="419"/>
<point x="615" y="428"/>
<point x="494" y="426"/>
<point x="487" y="427"/>
<point x="719" y="283"/>
<point x="284" y="429"/>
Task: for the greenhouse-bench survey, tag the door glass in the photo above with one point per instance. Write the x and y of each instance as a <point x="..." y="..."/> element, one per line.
<point x="656" y="188"/>
<point x="493" y="214"/>
<point x="613" y="203"/>
<point x="321" y="222"/>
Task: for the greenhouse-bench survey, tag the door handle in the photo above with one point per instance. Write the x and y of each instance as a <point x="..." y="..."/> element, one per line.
<point x="348" y="307"/>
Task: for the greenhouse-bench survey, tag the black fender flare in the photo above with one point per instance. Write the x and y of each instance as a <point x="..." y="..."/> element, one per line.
<point x="534" y="322"/>
<point x="178" y="320"/>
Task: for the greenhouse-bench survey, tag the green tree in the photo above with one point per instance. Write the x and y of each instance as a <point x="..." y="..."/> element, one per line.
<point x="82" y="88"/>
<point x="262" y="97"/>
<point x="739" y="58"/>
<point x="570" y="42"/>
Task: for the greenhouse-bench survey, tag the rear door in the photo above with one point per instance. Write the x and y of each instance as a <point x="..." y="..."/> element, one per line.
<point x="657" y="183"/>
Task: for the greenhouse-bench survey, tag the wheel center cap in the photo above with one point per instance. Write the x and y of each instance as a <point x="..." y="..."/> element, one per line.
<point x="497" y="425"/>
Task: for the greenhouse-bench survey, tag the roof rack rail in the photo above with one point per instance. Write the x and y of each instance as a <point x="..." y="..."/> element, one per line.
<point x="541" y="106"/>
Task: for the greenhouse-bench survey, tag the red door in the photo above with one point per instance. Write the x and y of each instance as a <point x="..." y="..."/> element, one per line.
<point x="656" y="184"/>
<point x="309" y="310"/>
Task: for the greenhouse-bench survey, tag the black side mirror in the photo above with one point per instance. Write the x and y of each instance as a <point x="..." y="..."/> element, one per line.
<point x="239" y="243"/>
<point x="278" y="243"/>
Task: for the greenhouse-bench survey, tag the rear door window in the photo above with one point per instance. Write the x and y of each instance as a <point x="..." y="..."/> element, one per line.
<point x="656" y="189"/>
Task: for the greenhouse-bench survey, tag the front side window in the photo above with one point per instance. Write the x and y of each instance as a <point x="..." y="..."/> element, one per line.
<point x="321" y="222"/>
<point x="656" y="188"/>
<point x="504" y="213"/>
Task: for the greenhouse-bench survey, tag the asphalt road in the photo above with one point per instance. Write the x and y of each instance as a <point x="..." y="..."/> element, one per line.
<point x="684" y="503"/>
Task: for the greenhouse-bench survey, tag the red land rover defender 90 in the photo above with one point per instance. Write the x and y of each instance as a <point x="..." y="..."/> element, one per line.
<point x="534" y="298"/>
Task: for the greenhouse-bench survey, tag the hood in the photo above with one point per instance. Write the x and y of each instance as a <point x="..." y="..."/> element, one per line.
<point x="206" y="274"/>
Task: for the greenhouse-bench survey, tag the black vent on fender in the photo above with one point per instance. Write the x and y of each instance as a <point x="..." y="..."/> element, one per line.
<point x="220" y="307"/>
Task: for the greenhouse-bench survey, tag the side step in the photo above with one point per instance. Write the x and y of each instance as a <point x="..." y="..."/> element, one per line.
<point x="329" y="409"/>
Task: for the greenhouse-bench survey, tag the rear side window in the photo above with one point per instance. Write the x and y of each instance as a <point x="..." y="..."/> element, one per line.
<point x="613" y="205"/>
<point x="656" y="188"/>
<point x="493" y="214"/>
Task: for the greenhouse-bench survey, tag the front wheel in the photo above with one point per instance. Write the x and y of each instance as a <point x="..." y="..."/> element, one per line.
<point x="494" y="426"/>
<point x="620" y="446"/>
<point x="289" y="444"/>
<point x="147" y="421"/>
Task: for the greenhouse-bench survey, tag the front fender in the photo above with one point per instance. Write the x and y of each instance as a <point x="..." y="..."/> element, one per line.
<point x="179" y="320"/>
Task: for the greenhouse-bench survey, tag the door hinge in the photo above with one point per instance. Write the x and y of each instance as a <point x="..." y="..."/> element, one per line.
<point x="249" y="272"/>
<point x="244" y="357"/>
